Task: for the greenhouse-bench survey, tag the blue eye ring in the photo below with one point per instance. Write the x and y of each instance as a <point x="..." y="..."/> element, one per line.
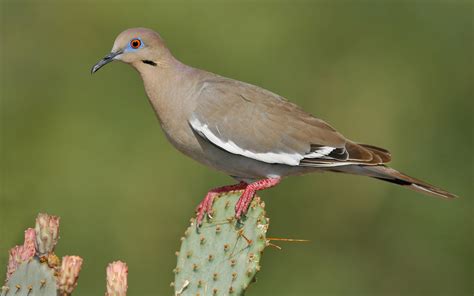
<point x="135" y="43"/>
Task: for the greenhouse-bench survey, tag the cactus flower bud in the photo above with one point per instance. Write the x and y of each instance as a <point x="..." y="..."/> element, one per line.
<point x="117" y="279"/>
<point x="69" y="273"/>
<point x="14" y="259"/>
<point x="20" y="254"/>
<point x="29" y="247"/>
<point x="47" y="233"/>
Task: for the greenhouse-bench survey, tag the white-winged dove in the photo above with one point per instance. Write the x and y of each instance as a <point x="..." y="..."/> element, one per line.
<point x="245" y="131"/>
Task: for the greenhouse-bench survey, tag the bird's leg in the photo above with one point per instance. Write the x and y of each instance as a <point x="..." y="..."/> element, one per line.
<point x="205" y="207"/>
<point x="244" y="201"/>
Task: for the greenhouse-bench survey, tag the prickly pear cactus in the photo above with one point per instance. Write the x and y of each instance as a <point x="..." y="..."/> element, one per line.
<point x="222" y="257"/>
<point x="34" y="269"/>
<point x="31" y="278"/>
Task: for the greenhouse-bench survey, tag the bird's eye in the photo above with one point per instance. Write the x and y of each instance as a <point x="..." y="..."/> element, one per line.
<point x="135" y="43"/>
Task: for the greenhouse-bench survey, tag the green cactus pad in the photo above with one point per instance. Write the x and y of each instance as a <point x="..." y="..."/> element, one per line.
<point x="222" y="256"/>
<point x="31" y="278"/>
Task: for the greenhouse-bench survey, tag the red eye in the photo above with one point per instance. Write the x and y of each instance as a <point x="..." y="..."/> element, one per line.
<point x="135" y="43"/>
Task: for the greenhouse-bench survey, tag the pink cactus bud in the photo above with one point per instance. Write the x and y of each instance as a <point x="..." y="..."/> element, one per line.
<point x="20" y="254"/>
<point x="14" y="260"/>
<point x="47" y="233"/>
<point x="29" y="249"/>
<point x="117" y="279"/>
<point x="69" y="273"/>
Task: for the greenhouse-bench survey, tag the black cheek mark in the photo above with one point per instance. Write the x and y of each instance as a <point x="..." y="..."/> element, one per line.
<point x="148" y="62"/>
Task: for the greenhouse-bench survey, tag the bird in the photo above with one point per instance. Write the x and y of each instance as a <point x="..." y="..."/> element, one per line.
<point x="247" y="132"/>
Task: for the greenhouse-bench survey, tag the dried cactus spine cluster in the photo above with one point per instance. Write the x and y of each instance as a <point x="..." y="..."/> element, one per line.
<point x="222" y="257"/>
<point x="34" y="269"/>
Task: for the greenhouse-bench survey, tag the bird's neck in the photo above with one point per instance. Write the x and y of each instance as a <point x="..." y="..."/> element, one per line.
<point x="168" y="86"/>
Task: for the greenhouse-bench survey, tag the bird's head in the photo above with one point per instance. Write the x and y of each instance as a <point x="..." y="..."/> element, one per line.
<point x="136" y="46"/>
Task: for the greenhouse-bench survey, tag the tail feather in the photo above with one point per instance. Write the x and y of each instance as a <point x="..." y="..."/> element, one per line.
<point x="388" y="174"/>
<point x="380" y="152"/>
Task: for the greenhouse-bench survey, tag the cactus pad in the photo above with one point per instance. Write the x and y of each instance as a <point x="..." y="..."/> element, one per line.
<point x="31" y="278"/>
<point x="222" y="256"/>
<point x="34" y="270"/>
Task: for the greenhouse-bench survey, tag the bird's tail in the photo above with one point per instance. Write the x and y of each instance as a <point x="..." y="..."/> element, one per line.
<point x="388" y="174"/>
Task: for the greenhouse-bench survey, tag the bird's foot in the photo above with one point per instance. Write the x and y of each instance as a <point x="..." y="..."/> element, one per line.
<point x="245" y="199"/>
<point x="243" y="203"/>
<point x="205" y="207"/>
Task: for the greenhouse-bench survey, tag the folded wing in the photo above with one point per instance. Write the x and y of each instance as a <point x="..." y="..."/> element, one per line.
<point x="250" y="121"/>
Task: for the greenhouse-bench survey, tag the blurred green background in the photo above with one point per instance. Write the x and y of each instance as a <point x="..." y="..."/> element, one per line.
<point x="88" y="148"/>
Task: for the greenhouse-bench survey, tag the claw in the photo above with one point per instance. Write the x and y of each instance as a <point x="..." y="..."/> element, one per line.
<point x="242" y="205"/>
<point x="205" y="207"/>
<point x="246" y="198"/>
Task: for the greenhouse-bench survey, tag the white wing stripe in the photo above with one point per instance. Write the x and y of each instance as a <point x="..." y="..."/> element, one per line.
<point x="320" y="152"/>
<point x="292" y="159"/>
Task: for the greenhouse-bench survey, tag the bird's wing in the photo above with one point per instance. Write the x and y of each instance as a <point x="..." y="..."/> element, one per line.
<point x="250" y="121"/>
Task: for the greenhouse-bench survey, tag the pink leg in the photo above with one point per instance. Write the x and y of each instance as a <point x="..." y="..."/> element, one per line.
<point x="205" y="207"/>
<point x="244" y="201"/>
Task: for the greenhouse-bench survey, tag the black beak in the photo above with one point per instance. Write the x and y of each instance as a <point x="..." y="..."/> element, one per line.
<point x="107" y="59"/>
